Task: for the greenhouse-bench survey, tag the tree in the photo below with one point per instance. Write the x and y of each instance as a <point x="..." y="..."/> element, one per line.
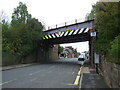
<point x="114" y="50"/>
<point x="3" y="17"/>
<point x="91" y="15"/>
<point x="107" y="18"/>
<point x="21" y="36"/>
<point x="24" y="33"/>
<point x="7" y="35"/>
<point x="31" y="35"/>
<point x="28" y="30"/>
<point x="20" y="15"/>
<point x="60" y="49"/>
<point x="106" y="24"/>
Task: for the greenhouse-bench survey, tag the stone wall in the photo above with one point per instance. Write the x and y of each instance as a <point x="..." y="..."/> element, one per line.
<point x="111" y="73"/>
<point x="29" y="58"/>
<point x="42" y="55"/>
<point x="53" y="53"/>
<point x="10" y="59"/>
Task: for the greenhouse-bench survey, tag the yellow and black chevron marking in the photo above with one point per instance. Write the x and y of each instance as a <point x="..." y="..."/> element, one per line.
<point x="66" y="33"/>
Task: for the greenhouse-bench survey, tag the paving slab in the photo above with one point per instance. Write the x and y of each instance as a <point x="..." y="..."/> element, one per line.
<point x="90" y="79"/>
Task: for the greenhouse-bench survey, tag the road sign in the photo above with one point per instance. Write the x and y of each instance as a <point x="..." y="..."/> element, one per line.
<point x="93" y="34"/>
<point x="96" y="58"/>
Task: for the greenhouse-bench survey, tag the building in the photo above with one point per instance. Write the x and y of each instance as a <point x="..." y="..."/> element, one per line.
<point x="70" y="52"/>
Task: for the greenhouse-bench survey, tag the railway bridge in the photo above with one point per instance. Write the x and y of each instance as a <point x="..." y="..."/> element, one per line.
<point x="76" y="32"/>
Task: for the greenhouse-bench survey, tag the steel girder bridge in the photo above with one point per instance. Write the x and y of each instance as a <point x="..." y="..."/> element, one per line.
<point x="78" y="32"/>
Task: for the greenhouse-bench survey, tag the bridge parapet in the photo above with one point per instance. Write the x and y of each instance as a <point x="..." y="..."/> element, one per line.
<point x="66" y="23"/>
<point x="86" y="24"/>
<point x="73" y="29"/>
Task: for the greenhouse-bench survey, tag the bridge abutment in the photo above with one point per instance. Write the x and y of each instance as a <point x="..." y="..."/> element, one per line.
<point x="53" y="53"/>
<point x="47" y="53"/>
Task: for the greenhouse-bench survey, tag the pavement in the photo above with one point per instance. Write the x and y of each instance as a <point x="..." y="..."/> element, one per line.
<point x="15" y="66"/>
<point x="90" y="79"/>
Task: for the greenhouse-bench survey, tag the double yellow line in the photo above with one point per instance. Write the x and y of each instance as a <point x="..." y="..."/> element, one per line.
<point x="76" y="82"/>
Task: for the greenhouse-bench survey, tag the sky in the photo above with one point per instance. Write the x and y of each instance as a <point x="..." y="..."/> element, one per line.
<point x="52" y="12"/>
<point x="80" y="46"/>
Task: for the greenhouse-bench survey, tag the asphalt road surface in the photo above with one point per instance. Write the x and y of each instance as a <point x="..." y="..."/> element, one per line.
<point x="56" y="74"/>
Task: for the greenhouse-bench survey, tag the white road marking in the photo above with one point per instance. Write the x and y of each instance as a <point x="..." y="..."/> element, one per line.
<point x="40" y="71"/>
<point x="34" y="73"/>
<point x="33" y="79"/>
<point x="7" y="82"/>
<point x="73" y="72"/>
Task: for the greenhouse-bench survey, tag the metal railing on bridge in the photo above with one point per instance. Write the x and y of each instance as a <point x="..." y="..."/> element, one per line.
<point x="66" y="23"/>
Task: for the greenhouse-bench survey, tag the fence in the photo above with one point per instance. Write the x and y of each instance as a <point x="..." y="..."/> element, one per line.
<point x="66" y="23"/>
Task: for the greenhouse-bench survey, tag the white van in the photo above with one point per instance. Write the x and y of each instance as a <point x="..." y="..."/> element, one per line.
<point x="82" y="58"/>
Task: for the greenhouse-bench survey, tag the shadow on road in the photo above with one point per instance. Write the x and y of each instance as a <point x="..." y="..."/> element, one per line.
<point x="68" y="61"/>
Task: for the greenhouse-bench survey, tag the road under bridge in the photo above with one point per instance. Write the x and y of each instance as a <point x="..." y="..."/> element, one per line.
<point x="77" y="32"/>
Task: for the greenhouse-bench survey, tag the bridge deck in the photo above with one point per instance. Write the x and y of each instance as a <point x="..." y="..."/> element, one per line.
<point x="67" y="34"/>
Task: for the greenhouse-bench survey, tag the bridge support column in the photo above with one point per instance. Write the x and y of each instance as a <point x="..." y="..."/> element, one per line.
<point x="53" y="52"/>
<point x="91" y="51"/>
<point x="42" y="53"/>
<point x="47" y="52"/>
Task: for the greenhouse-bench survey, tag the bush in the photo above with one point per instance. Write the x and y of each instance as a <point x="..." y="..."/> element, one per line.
<point x="21" y="36"/>
<point x="114" y="51"/>
<point x="10" y="59"/>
